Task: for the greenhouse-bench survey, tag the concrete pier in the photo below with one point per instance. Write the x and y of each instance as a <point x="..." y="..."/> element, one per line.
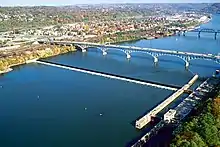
<point x="147" y="118"/>
<point x="104" y="53"/>
<point x="83" y="50"/>
<point x="128" y="56"/>
<point x="187" y="65"/>
<point x="155" y="60"/>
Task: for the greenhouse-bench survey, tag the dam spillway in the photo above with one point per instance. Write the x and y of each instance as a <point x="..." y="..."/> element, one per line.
<point x="109" y="75"/>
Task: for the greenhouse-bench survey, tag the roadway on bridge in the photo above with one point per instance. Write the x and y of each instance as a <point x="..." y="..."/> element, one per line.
<point x="134" y="48"/>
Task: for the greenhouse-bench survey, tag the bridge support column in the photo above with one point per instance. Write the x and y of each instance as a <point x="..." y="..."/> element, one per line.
<point x="128" y="56"/>
<point x="184" y="33"/>
<point x="155" y="60"/>
<point x="199" y="34"/>
<point x="187" y="65"/>
<point x="83" y="50"/>
<point x="104" y="53"/>
<point x="216" y="35"/>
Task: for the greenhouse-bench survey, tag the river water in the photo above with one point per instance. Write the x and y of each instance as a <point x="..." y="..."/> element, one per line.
<point x="42" y="106"/>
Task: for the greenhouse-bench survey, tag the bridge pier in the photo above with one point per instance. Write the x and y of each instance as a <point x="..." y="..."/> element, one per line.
<point x="184" y="33"/>
<point x="128" y="56"/>
<point x="104" y="53"/>
<point x="199" y="34"/>
<point x="83" y="50"/>
<point x="187" y="65"/>
<point x="155" y="60"/>
<point x="216" y="35"/>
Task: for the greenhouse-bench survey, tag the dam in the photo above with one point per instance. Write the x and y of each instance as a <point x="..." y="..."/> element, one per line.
<point x="143" y="121"/>
<point x="112" y="76"/>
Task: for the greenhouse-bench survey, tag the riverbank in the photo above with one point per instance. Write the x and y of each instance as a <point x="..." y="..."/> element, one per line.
<point x="202" y="129"/>
<point x="134" y="36"/>
<point x="144" y="34"/>
<point x="6" y="70"/>
<point x="11" y="58"/>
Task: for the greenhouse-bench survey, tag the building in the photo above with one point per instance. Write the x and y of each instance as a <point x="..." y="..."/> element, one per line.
<point x="169" y="115"/>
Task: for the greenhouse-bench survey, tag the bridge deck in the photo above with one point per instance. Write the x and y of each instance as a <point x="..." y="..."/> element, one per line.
<point x="134" y="48"/>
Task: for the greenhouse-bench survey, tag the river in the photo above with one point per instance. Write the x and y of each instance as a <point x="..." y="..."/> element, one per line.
<point x="51" y="107"/>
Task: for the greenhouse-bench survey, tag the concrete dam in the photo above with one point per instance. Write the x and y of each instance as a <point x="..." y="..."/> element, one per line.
<point x="110" y="75"/>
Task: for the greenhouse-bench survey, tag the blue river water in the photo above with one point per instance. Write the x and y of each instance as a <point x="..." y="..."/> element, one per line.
<point x="42" y="106"/>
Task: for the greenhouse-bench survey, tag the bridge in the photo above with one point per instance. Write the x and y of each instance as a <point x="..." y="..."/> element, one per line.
<point x="129" y="50"/>
<point x="202" y="30"/>
<point x="111" y="76"/>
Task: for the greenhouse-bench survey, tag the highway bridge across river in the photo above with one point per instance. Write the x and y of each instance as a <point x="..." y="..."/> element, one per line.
<point x="201" y="30"/>
<point x="129" y="50"/>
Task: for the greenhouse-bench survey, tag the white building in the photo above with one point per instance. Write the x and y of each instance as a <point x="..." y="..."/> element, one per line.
<point x="169" y="115"/>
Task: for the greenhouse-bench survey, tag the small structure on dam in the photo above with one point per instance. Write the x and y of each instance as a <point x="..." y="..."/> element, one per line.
<point x="169" y="115"/>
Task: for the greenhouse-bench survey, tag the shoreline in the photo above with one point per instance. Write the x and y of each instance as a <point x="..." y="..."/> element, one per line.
<point x="6" y="71"/>
<point x="142" y="38"/>
<point x="42" y="51"/>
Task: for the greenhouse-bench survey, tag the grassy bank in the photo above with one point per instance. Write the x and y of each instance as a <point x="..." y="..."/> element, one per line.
<point x="23" y="54"/>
